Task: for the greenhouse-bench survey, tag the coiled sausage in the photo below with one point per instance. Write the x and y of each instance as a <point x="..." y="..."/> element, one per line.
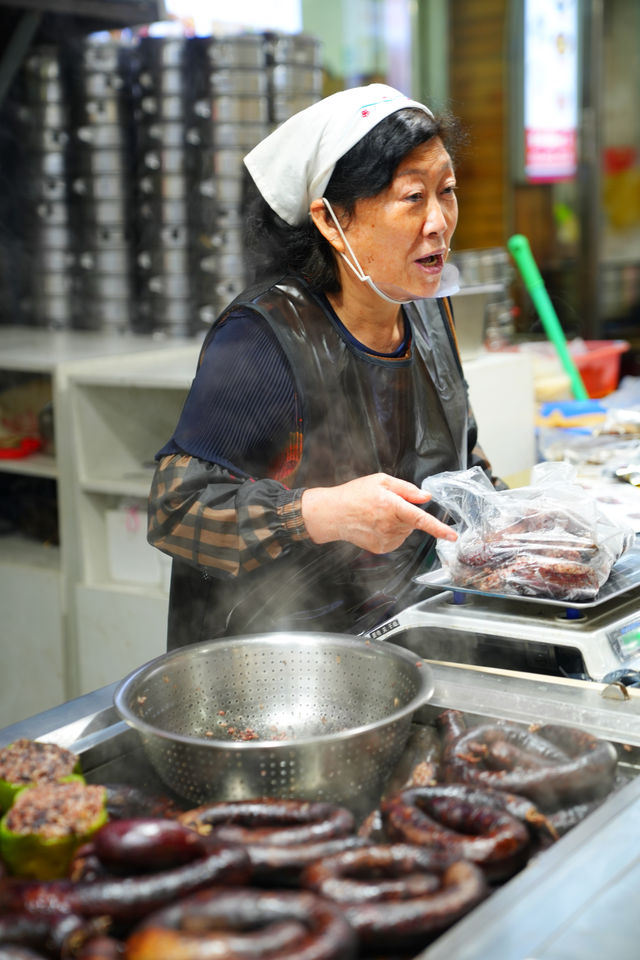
<point x="551" y="765"/>
<point x="230" y="924"/>
<point x="467" y="825"/>
<point x="397" y="893"/>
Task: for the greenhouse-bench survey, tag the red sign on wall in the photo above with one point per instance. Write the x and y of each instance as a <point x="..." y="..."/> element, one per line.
<point x="551" y="89"/>
<point x="550" y="154"/>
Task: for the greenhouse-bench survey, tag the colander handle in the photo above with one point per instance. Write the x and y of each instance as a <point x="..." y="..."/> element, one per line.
<point x="93" y="740"/>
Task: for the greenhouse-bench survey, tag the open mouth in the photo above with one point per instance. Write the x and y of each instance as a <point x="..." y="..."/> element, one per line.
<point x="433" y="260"/>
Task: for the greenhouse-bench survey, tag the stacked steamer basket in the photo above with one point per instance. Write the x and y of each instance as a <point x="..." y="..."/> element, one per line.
<point x="136" y="224"/>
<point x="46" y="234"/>
<point x="294" y="74"/>
<point x="9" y="212"/>
<point x="230" y="118"/>
<point x="103" y="208"/>
<point x="166" y="84"/>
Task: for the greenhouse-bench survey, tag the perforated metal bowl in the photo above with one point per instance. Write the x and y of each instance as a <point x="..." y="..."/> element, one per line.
<point x="301" y="715"/>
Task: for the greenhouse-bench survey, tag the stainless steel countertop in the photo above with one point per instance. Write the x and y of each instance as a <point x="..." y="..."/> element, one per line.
<point x="578" y="901"/>
<point x="575" y="901"/>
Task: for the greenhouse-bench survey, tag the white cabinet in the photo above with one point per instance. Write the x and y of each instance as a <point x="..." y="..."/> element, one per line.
<point x="33" y="643"/>
<point x="67" y="626"/>
<point x="501" y="391"/>
<point x="121" y="411"/>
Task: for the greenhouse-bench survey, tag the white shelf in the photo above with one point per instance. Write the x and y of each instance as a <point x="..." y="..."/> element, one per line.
<point x="116" y="589"/>
<point x="44" y="351"/>
<point x="129" y="486"/>
<point x="116" y="400"/>
<point x="171" y="371"/>
<point x="21" y="551"/>
<point x="35" y="465"/>
<point x="113" y="544"/>
<point x="120" y="428"/>
<point x="121" y="411"/>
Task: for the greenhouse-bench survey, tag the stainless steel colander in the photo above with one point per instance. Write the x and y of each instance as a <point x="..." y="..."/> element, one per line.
<point x="300" y="715"/>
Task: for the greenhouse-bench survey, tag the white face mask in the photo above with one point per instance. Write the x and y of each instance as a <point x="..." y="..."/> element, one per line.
<point x="448" y="279"/>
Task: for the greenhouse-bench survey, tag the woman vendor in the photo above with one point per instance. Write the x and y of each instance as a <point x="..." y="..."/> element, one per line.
<point x="289" y="495"/>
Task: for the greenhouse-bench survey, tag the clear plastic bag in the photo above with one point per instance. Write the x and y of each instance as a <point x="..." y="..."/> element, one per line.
<point x="548" y="539"/>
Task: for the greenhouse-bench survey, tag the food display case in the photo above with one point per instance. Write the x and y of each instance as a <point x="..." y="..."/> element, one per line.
<point x="574" y="899"/>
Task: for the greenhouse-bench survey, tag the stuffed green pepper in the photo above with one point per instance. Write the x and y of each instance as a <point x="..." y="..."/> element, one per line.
<point x="46" y="824"/>
<point x="27" y="762"/>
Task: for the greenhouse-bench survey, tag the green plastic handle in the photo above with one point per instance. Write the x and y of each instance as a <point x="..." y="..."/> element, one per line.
<point x="520" y="250"/>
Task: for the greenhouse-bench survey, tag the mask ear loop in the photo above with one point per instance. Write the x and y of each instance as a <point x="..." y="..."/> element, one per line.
<point x="355" y="266"/>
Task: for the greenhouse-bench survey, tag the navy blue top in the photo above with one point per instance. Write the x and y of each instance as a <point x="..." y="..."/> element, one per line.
<point x="243" y="409"/>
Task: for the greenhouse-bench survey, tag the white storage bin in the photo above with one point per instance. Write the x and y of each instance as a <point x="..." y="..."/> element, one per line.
<point x="131" y="558"/>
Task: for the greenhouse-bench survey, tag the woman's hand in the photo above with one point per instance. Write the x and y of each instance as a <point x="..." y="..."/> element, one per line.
<point x="376" y="513"/>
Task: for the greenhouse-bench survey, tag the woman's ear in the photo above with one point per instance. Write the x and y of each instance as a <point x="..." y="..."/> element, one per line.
<point x="325" y="224"/>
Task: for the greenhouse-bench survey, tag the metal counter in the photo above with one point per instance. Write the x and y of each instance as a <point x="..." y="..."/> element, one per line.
<point x="577" y="901"/>
<point x="574" y="901"/>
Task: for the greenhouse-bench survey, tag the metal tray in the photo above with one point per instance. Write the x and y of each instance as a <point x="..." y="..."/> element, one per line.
<point x="624" y="576"/>
<point x="581" y="893"/>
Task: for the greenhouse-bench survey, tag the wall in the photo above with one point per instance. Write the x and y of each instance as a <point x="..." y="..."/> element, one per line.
<point x="353" y="48"/>
<point x="480" y="75"/>
<point x="477" y="95"/>
<point x="492" y="206"/>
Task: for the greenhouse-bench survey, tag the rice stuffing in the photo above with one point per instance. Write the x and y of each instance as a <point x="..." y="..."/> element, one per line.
<point x="29" y="761"/>
<point x="56" y="809"/>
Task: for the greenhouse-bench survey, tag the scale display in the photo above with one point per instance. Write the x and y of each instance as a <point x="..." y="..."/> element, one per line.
<point x="627" y="639"/>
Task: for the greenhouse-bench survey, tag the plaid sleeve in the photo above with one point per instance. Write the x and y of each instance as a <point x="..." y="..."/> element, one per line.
<point x="203" y="514"/>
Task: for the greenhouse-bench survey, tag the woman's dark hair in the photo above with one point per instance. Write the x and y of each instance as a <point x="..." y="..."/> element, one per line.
<point x="275" y="248"/>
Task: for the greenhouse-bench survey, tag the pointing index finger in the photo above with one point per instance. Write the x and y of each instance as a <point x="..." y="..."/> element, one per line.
<point x="419" y="520"/>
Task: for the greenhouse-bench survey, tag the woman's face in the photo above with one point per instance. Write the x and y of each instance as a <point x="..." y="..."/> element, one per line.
<point x="401" y="236"/>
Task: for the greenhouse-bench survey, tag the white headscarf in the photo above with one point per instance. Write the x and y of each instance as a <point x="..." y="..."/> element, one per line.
<point x="293" y="165"/>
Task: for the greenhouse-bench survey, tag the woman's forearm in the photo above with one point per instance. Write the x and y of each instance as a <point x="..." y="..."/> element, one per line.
<point x="206" y="516"/>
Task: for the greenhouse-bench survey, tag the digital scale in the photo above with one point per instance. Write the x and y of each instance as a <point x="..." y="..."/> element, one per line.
<point x="586" y="640"/>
